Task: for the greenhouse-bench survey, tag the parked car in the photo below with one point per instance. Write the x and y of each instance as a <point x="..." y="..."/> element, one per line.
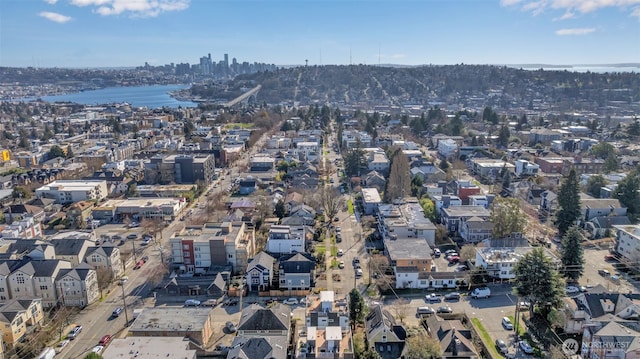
<point x="338" y="238"/>
<point x="139" y="264"/>
<point x="359" y="272"/>
<point x="615" y="278"/>
<point x="445" y="309"/>
<point x="340" y="252"/>
<point x="452" y="296"/>
<point x="97" y="349"/>
<point x="210" y="303"/>
<point x="116" y="312"/>
<point x="290" y="301"/>
<point x="145" y="258"/>
<point x="105" y="340"/>
<point x="341" y="265"/>
<point x="436" y="253"/>
<point x="123" y="280"/>
<point x="425" y="310"/>
<point x="572" y="289"/>
<point x="230" y="327"/>
<point x="121" y="242"/>
<point x="483" y="292"/>
<point x="191" y="303"/>
<point x="506" y="323"/>
<point x="454" y="259"/>
<point x="502" y="346"/>
<point x="524" y="305"/>
<point x="433" y="298"/>
<point x="604" y="272"/>
<point x="526" y="347"/>
<point x="132" y="236"/>
<point x="61" y="345"/>
<point x="75" y="332"/>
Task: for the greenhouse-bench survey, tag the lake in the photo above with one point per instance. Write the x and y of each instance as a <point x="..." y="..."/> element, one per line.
<point x="138" y="96"/>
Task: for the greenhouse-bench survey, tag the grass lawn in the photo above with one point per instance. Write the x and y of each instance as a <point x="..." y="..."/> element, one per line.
<point x="334" y="251"/>
<point x="320" y="248"/>
<point x="521" y="326"/>
<point x="350" y="206"/>
<point x="238" y="125"/>
<point x="486" y="338"/>
<point x="334" y="263"/>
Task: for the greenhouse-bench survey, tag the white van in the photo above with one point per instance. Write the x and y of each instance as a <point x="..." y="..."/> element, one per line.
<point x="425" y="310"/>
<point x="483" y="292"/>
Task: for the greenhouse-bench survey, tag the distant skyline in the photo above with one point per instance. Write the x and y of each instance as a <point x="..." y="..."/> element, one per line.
<point x="126" y="33"/>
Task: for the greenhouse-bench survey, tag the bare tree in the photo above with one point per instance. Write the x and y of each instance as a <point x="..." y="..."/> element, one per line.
<point x="331" y="201"/>
<point x="105" y="278"/>
<point x="401" y="308"/>
<point x="468" y="252"/>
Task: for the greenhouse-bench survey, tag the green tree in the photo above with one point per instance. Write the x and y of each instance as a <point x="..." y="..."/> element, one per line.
<point x="444" y="165"/>
<point x="357" y="308"/>
<point x="280" y="210"/>
<point x="21" y="192"/>
<point x="627" y="193"/>
<point x="24" y="142"/>
<point x="132" y="190"/>
<point x="603" y="150"/>
<point x="416" y="186"/>
<point x="354" y="160"/>
<point x="429" y="208"/>
<point x="422" y="347"/>
<point x="507" y="217"/>
<point x="70" y="153"/>
<point x="572" y="254"/>
<point x="537" y="279"/>
<point x="188" y="128"/>
<point x="611" y="163"/>
<point x="594" y="184"/>
<point x="55" y="152"/>
<point x="399" y="183"/>
<point x="93" y="356"/>
<point x="503" y="136"/>
<point x="370" y="354"/>
<point x="568" y="203"/>
<point x="634" y="128"/>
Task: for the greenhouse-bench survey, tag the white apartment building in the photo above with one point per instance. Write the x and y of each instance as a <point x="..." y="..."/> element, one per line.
<point x="286" y="239"/>
<point x="405" y="220"/>
<point x="71" y="191"/>
<point x="378" y="162"/>
<point x="308" y="151"/>
<point x="526" y="168"/>
<point x="447" y="147"/>
<point x="500" y="262"/>
<point x="25" y="228"/>
<point x="628" y="244"/>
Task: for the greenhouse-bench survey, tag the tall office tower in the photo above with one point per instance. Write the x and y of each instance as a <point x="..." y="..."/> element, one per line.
<point x="205" y="65"/>
<point x="226" y="60"/>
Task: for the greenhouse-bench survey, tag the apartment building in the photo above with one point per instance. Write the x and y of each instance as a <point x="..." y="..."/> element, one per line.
<point x="628" y="245"/>
<point x="36" y="278"/>
<point x="286" y="239"/>
<point x="405" y="220"/>
<point x="70" y="191"/>
<point x="197" y="248"/>
<point x="18" y="318"/>
<point x="78" y="287"/>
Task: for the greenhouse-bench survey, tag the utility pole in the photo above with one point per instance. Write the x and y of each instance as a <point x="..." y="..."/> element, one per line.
<point x="124" y="303"/>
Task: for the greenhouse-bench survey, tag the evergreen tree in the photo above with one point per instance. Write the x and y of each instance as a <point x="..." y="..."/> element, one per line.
<point x="568" y="203"/>
<point x="611" y="163"/>
<point x="356" y="307"/>
<point x="594" y="184"/>
<point x="627" y="193"/>
<point x="399" y="183"/>
<point x="503" y="136"/>
<point x="572" y="254"/>
<point x="537" y="279"/>
<point x="280" y="209"/>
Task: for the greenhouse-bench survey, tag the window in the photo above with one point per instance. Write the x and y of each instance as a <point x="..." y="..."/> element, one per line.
<point x="44" y="287"/>
<point x="20" y="279"/>
<point x="1" y="290"/>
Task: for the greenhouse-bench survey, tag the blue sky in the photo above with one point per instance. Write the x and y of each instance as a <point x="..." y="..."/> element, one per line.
<point x="110" y="33"/>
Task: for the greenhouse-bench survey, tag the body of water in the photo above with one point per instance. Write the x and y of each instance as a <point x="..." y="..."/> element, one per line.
<point x="138" y="96"/>
<point x="594" y="69"/>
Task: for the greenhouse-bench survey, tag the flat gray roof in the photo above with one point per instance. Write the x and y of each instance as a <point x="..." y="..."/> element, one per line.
<point x="149" y="347"/>
<point x="171" y="319"/>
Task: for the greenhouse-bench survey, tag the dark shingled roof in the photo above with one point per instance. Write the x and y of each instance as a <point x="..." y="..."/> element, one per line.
<point x="68" y="246"/>
<point x="275" y="318"/>
<point x="80" y="272"/>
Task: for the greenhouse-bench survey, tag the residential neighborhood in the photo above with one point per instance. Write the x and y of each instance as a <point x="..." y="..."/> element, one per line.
<point x="319" y="231"/>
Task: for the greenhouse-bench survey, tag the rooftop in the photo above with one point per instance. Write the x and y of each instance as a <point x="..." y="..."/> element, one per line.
<point x="149" y="347"/>
<point x="174" y="319"/>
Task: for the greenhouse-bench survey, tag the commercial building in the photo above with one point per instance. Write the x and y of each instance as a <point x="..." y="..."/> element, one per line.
<point x="196" y="324"/>
<point x="149" y="348"/>
<point x="165" y="209"/>
<point x="69" y="191"/>
<point x="181" y="169"/>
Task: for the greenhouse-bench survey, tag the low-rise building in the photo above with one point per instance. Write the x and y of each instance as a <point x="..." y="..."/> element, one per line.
<point x="116" y="210"/>
<point x="149" y="348"/>
<point x="370" y="200"/>
<point x="78" y="287"/>
<point x="453" y="217"/>
<point x="384" y="335"/>
<point x="526" y="168"/>
<point x="37" y="278"/>
<point x="286" y="239"/>
<point x="297" y="271"/>
<point x="70" y="191"/>
<point x="194" y="323"/>
<point x="260" y="272"/>
<point x="405" y="220"/>
<point x="19" y="317"/>
<point x="105" y="257"/>
<point x="628" y="245"/>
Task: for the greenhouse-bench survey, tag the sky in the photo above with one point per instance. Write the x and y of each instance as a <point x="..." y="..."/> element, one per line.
<point x="117" y="33"/>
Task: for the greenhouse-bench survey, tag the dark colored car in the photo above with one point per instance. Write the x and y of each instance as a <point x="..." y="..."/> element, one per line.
<point x="452" y="296"/>
<point x="445" y="310"/>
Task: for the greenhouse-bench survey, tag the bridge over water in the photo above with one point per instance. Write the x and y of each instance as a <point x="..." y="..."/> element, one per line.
<point x="244" y="98"/>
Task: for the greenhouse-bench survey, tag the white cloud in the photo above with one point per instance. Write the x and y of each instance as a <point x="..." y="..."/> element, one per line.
<point x="51" y="2"/>
<point x="577" y="31"/>
<point x="567" y="15"/>
<point x="55" y="17"/>
<point x="142" y="8"/>
<point x="572" y="6"/>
